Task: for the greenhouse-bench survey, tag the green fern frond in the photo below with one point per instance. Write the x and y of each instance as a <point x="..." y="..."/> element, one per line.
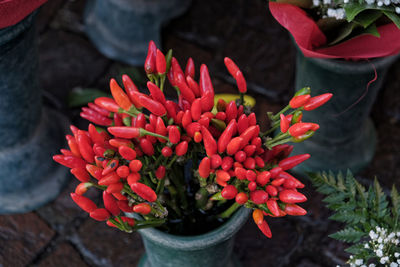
<point x="349" y="235"/>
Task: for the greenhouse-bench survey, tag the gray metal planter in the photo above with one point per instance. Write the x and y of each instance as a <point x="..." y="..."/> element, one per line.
<point x="29" y="134"/>
<point x="346" y="139"/>
<point x="122" y="29"/>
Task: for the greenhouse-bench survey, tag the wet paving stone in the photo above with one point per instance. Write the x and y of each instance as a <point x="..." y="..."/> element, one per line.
<point x="64" y="255"/>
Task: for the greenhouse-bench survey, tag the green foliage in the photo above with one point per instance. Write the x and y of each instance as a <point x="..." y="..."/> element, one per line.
<point x="361" y="209"/>
<point x="81" y="96"/>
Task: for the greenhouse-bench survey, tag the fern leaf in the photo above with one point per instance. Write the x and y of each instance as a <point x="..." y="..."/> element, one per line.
<point x="356" y="249"/>
<point x="349" y="235"/>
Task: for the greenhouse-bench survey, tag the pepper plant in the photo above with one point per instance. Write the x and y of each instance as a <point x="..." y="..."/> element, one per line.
<point x="181" y="165"/>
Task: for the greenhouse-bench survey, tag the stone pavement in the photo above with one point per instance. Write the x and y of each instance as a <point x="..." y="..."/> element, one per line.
<point x="60" y="234"/>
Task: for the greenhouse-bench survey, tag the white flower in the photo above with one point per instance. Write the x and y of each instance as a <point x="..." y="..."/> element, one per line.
<point x="371" y="265"/>
<point x="379" y="253"/>
<point x="359" y="262"/>
<point x="384" y="260"/>
<point x="393" y="264"/>
<point x="366" y="245"/>
<point x="398" y="12"/>
<point x="396" y="254"/>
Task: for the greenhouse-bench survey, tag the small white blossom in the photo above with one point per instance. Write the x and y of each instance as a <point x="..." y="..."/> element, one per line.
<point x="371" y="265"/>
<point x="358" y="262"/>
<point x="393" y="264"/>
<point x="384" y="260"/>
<point x="396" y="254"/>
<point x="397" y="10"/>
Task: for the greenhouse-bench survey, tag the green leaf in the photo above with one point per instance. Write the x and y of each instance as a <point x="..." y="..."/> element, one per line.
<point x="371" y="29"/>
<point x="393" y="17"/>
<point x="395" y="201"/>
<point x="353" y="9"/>
<point x="349" y="235"/>
<point x="356" y="249"/>
<point x="343" y="32"/>
<point x="80" y="97"/>
<point x="367" y="17"/>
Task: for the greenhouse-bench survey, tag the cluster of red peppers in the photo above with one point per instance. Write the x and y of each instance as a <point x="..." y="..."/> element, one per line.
<point x="146" y="138"/>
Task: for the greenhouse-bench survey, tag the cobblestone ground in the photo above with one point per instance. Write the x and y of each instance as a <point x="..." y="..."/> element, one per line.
<point x="59" y="234"/>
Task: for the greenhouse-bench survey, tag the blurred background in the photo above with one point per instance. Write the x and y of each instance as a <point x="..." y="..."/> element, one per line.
<point x="60" y="234"/>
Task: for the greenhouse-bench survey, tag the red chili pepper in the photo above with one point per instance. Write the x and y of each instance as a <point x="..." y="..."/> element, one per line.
<point x="221" y="105"/>
<point x="133" y="178"/>
<point x="296" y="183"/>
<point x="186" y="92"/>
<point x="258" y="216"/>
<point x="220" y="116"/>
<point x="299" y="101"/>
<point x="80" y="174"/>
<point x="95" y="135"/>
<point x="209" y="142"/>
<point x="275" y="171"/>
<point x="265" y="229"/>
<point x="259" y="162"/>
<point x="85" y="147"/>
<point x="117" y="142"/>
<point x="66" y="152"/>
<point x="291" y="196"/>
<point x="227" y="163"/>
<point x="174" y="135"/>
<point x="249" y="163"/>
<point x="231" y="66"/>
<point x="186" y="119"/>
<point x="181" y="148"/>
<point x="251" y="175"/>
<point x="161" y="63"/>
<point x="119" y="95"/>
<point x="241" y="198"/>
<point x="131" y="90"/>
<point x="142" y="208"/>
<point x="160" y="172"/>
<point x="81" y="189"/>
<point x="317" y="101"/>
<point x="205" y="167"/>
<point x="259" y="197"/>
<point x="94" y="171"/>
<point x="148" y="127"/>
<point x="161" y="129"/>
<point x="144" y="192"/>
<point x="243" y="123"/>
<point x="241" y="82"/>
<point x="114" y="188"/>
<point x="100" y="214"/>
<point x="229" y="192"/>
<point x="284" y="124"/>
<point x="226" y="136"/>
<point x="198" y="137"/>
<point x="95" y="118"/>
<point x="196" y="109"/>
<point x="278" y="182"/>
<point x="252" y="119"/>
<point x="252" y="186"/>
<point x="110" y="178"/>
<point x="129" y="221"/>
<point x="150" y="62"/>
<point x="240" y="173"/>
<point x="294" y="210"/>
<point x="123" y="171"/>
<point x="240" y="156"/>
<point x="156" y="93"/>
<point x="190" y="68"/>
<point x="153" y="106"/>
<point x="110" y="204"/>
<point x="123" y="205"/>
<point x="111" y="166"/>
<point x="271" y="190"/>
<point x="193" y="85"/>
<point x="107" y="103"/>
<point x="99" y="110"/>
<point x="263" y="178"/>
<point x="293" y="161"/>
<point x="147" y="147"/>
<point x="223" y="175"/>
<point x="176" y="68"/>
<point x="166" y="151"/>
<point x="83" y="202"/>
<point x="300" y="128"/>
<point x="231" y="111"/>
<point x="248" y="134"/>
<point x="171" y="109"/>
<point x="273" y="207"/>
<point x="216" y="161"/>
<point x="127" y="152"/>
<point x="73" y="146"/>
<point x="125" y="132"/>
<point x="249" y="150"/>
<point x="234" y="145"/>
<point x="118" y="120"/>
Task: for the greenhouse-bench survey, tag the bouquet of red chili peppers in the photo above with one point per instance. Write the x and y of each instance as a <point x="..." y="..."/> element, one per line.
<point x="142" y="144"/>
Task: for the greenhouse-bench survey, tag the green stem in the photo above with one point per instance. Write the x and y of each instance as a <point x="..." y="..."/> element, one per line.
<point x="145" y="132"/>
<point x="162" y="82"/>
<point x="172" y="161"/>
<point x="160" y="186"/>
<point x="276" y="116"/>
<point x="147" y="224"/>
<point x="241" y="99"/>
<point x="227" y="213"/>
